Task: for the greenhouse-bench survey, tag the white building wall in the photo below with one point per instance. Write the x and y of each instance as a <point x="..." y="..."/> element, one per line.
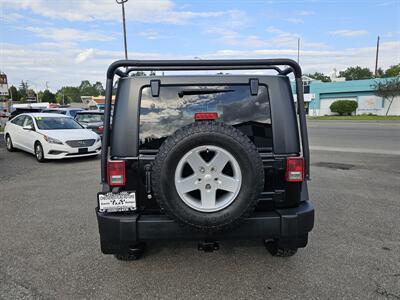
<point x="324" y="109"/>
<point x="394" y="109"/>
<point x="370" y="105"/>
<point x="366" y="105"/>
<point x="373" y="105"/>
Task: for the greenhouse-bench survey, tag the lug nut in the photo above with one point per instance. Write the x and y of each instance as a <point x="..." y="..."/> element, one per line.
<point x="208" y="186"/>
<point x="212" y="169"/>
<point x="202" y="170"/>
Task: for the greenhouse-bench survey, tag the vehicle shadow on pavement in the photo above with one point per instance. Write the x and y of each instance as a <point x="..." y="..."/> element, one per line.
<point x="74" y="160"/>
<point x="227" y="247"/>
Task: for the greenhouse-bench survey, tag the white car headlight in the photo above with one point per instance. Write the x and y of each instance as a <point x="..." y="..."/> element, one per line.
<point x="52" y="140"/>
<point x="98" y="139"/>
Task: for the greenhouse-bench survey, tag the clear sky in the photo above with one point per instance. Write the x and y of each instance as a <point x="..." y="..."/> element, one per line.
<point x="66" y="41"/>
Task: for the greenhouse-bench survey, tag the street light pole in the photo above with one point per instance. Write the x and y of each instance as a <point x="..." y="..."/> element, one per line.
<point x="298" y="50"/>
<point x="122" y="2"/>
<point x="376" y="57"/>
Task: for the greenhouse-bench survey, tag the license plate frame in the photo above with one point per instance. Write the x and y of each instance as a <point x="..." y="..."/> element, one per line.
<point x="117" y="202"/>
<point x="83" y="150"/>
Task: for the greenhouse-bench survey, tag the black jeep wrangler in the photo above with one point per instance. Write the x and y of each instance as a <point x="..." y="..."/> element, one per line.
<point x="204" y="158"/>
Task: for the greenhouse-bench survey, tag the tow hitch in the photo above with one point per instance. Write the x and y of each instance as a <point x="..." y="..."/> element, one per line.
<point x="208" y="246"/>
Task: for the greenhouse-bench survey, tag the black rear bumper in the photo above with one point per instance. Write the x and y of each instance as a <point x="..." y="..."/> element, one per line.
<point x="119" y="231"/>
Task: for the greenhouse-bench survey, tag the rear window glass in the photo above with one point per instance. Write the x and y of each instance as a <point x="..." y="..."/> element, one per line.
<point x="55" y="111"/>
<point x="73" y="112"/>
<point x="176" y="105"/>
<point x="89" y="118"/>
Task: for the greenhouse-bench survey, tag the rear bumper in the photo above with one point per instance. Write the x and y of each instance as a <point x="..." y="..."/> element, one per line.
<point x="119" y="231"/>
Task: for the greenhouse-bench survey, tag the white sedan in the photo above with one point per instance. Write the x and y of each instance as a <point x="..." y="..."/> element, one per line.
<point x="50" y="136"/>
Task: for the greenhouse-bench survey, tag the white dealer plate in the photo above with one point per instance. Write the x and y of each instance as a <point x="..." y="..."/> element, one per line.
<point x="110" y="202"/>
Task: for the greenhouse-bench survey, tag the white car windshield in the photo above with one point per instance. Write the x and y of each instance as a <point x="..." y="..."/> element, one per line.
<point x="90" y="118"/>
<point x="53" y="123"/>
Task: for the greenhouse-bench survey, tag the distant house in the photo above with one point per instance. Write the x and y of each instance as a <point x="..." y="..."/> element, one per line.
<point x="320" y="95"/>
<point x="95" y="102"/>
<point x="4" y="103"/>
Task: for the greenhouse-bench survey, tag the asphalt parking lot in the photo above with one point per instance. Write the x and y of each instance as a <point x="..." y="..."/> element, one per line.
<point x="49" y="245"/>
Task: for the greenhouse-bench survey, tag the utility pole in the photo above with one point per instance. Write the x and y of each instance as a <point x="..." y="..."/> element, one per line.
<point x="298" y="50"/>
<point x="376" y="58"/>
<point x="122" y="2"/>
<point x="10" y="100"/>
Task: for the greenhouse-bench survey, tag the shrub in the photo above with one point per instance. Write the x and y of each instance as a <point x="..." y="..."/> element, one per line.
<point x="344" y="107"/>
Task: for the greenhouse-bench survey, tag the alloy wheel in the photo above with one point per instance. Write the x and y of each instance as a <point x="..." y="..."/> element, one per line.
<point x="208" y="178"/>
<point x="39" y="152"/>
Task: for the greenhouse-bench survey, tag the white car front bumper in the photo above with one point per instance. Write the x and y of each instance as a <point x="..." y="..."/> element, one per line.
<point x="56" y="151"/>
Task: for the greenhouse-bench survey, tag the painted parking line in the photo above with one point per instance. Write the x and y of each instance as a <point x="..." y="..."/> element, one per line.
<point x="355" y="150"/>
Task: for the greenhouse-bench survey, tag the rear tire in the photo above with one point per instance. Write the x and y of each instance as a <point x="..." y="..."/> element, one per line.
<point x="39" y="153"/>
<point x="9" y="144"/>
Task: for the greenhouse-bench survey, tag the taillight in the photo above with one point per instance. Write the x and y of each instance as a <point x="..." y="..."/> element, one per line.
<point x="116" y="172"/>
<point x="295" y="169"/>
<point x="100" y="129"/>
<point x="205" y="116"/>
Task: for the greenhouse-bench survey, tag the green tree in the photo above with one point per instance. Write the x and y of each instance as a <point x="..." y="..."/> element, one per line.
<point x="87" y="89"/>
<point x="356" y="73"/>
<point x="344" y="107"/>
<point x="380" y="73"/>
<point x="388" y="90"/>
<point x="14" y="93"/>
<point x="23" y="89"/>
<point x="98" y="86"/>
<point x="40" y="96"/>
<point x="392" y="71"/>
<point x="69" y="93"/>
<point x="60" y="98"/>
<point x="319" y="76"/>
<point x="48" y="97"/>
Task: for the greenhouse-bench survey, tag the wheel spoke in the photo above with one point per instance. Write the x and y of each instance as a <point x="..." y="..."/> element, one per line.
<point x="195" y="161"/>
<point x="219" y="161"/>
<point x="187" y="184"/>
<point x="227" y="183"/>
<point x="208" y="198"/>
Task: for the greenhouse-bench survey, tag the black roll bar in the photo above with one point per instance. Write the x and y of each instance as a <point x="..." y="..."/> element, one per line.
<point x="195" y="65"/>
<point x="199" y="68"/>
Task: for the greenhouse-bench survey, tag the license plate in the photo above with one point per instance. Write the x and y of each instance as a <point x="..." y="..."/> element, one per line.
<point x="113" y="202"/>
<point x="83" y="150"/>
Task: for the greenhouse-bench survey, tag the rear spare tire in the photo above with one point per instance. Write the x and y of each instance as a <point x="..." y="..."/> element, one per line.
<point x="208" y="176"/>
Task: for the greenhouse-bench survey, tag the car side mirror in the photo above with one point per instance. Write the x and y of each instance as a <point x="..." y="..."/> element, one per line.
<point x="27" y="127"/>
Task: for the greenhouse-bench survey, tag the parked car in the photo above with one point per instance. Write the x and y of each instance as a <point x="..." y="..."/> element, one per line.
<point x="91" y="119"/>
<point x="71" y="112"/>
<point x="204" y="158"/>
<point x="19" y="111"/>
<point x="50" y="136"/>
